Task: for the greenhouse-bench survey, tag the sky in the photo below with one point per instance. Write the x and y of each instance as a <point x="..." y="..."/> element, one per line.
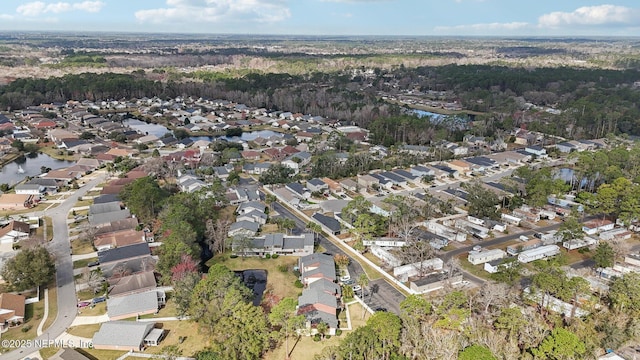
<point x="329" y="17"/>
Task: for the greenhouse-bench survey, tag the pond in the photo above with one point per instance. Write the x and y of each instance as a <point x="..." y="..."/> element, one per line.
<point x="146" y="128"/>
<point x="455" y="122"/>
<point x="29" y="165"/>
<point x="256" y="280"/>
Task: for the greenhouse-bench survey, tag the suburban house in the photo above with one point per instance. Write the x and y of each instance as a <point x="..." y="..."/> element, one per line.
<point x="316" y="266"/>
<point x="254" y="216"/>
<point x="30" y="189"/>
<point x="494" y="266"/>
<point x="128" y="306"/>
<point x="103" y="214"/>
<point x="11" y="310"/>
<point x="367" y="181"/>
<point x="123" y="253"/>
<point x="419" y="269"/>
<point x="317" y="185"/>
<point x="280" y="244"/>
<point x="349" y="185"/>
<point x="127" y="335"/>
<point x="319" y="301"/>
<point x="536" y="150"/>
<point x="243" y="228"/>
<point x="14" y="231"/>
<point x="251" y="206"/>
<point x="595" y="226"/>
<point x="523" y="246"/>
<point x="119" y="239"/>
<point x="299" y="190"/>
<point x="132" y="284"/>
<point x="329" y="224"/>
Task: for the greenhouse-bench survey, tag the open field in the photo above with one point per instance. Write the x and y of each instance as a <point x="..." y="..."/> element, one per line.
<point x="193" y="340"/>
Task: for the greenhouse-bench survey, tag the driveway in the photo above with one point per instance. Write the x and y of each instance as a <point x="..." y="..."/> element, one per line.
<point x="60" y="248"/>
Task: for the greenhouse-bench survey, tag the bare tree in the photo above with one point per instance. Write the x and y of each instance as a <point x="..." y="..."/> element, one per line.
<point x="492" y="294"/>
<point x="417" y="252"/>
<point x="216" y="234"/>
<point x="93" y="278"/>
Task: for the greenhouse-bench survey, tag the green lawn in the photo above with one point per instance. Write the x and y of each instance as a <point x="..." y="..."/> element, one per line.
<point x="79" y="247"/>
<point x="85" y="331"/>
<point x="78" y="264"/>
<point x="169" y="310"/>
<point x="193" y="340"/>
<point x="53" y="306"/>
<point x="98" y="309"/>
<point x="477" y="270"/>
<point x="281" y="283"/>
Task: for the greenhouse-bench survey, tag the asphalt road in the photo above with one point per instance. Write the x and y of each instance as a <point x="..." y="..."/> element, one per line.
<point x="60" y="248"/>
<point x="380" y="293"/>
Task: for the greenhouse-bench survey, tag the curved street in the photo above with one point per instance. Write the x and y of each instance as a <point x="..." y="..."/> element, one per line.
<point x="60" y="248"/>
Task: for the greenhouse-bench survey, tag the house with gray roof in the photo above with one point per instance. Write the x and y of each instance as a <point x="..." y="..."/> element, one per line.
<point x="122" y="253"/>
<point x="328" y="224"/>
<point x="250" y="206"/>
<point x="320" y="299"/>
<point x="127" y="335"/>
<point x="123" y="307"/>
<point x="317" y="185"/>
<point x="255" y="216"/>
<point x="243" y="227"/>
<point x="316" y="266"/>
<point x="280" y="244"/>
<point x="299" y="190"/>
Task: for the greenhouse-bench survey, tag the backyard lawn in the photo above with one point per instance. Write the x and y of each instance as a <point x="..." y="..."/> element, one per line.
<point x="85" y="331"/>
<point x="281" y="283"/>
<point x="193" y="340"/>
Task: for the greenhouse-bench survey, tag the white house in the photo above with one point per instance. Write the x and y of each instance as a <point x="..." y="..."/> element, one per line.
<point x="403" y="273"/>
<point x="541" y="252"/>
<point x="483" y="256"/>
<point x="595" y="226"/>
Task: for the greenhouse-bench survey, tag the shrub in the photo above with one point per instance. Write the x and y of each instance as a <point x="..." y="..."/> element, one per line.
<point x="327" y="337"/>
<point x="338" y="332"/>
<point x="283" y="268"/>
<point x="296" y="273"/>
<point x="26" y="328"/>
<point x="316" y="337"/>
<point x="268" y="256"/>
<point x="275" y="256"/>
<point x="298" y="284"/>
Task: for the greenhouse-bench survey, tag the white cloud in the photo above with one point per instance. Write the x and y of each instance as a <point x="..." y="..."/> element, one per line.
<point x="591" y="15"/>
<point x="37" y="8"/>
<point x="211" y="11"/>
<point x="482" y="29"/>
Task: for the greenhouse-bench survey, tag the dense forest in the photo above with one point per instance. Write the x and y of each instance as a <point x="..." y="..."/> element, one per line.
<point x="590" y="102"/>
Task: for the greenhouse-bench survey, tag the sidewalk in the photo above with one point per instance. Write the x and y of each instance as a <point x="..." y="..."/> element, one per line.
<point x="84" y="256"/>
<point x="89" y="320"/>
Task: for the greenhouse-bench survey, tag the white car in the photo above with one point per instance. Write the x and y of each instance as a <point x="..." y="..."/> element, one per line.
<point x="356" y="288"/>
<point x="345" y="278"/>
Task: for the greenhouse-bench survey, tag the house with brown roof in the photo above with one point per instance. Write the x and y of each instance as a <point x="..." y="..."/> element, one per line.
<point x="460" y="166"/>
<point x="119" y="239"/>
<point x="14" y="231"/>
<point x="13" y="201"/>
<point x="11" y="310"/>
<point x="132" y="284"/>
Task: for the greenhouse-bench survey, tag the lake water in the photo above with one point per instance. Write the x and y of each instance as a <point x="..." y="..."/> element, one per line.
<point x="457" y="122"/>
<point x="146" y="128"/>
<point x="31" y="165"/>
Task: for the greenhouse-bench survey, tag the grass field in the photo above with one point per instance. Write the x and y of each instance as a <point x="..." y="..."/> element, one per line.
<point x="53" y="306"/>
<point x="281" y="283"/>
<point x="78" y="264"/>
<point x="79" y="247"/>
<point x="193" y="341"/>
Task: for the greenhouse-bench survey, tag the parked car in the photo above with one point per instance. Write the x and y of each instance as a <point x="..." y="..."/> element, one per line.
<point x="82" y="304"/>
<point x="356" y="288"/>
<point x="349" y="282"/>
<point x="98" y="300"/>
<point x="93" y="263"/>
<point x="345" y="278"/>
